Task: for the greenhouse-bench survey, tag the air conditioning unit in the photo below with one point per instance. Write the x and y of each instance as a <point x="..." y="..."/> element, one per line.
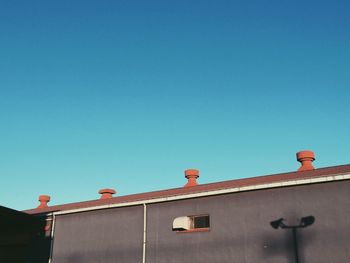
<point x="181" y="223"/>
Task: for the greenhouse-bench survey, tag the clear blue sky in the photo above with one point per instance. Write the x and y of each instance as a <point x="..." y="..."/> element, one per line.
<point x="128" y="94"/>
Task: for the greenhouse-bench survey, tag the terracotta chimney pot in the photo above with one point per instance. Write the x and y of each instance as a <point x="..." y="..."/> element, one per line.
<point x="106" y="193"/>
<point x="44" y="199"/>
<point x="191" y="175"/>
<point x="306" y="158"/>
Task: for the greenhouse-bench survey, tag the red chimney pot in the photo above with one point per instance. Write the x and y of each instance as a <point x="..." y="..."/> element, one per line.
<point x="306" y="158"/>
<point x="106" y="193"/>
<point x="191" y="175"/>
<point x="44" y="199"/>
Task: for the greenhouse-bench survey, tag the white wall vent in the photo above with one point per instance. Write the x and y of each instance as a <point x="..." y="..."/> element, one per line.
<point x="181" y="223"/>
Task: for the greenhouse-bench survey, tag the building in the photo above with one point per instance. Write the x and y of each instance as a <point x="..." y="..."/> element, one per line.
<point x="220" y="222"/>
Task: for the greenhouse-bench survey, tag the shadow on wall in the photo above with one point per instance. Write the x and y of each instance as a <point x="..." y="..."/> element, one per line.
<point x="23" y="239"/>
<point x="292" y="242"/>
<point x="40" y="245"/>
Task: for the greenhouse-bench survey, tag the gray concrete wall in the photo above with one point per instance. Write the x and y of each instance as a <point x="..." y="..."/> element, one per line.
<point x="240" y="229"/>
<point x="102" y="236"/>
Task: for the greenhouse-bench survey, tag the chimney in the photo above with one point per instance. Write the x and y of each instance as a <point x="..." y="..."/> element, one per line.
<point x="106" y="193"/>
<point x="191" y="175"/>
<point x="305" y="158"/>
<point x="44" y="199"/>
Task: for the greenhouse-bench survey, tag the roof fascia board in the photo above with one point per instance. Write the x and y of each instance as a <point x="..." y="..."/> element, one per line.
<point x="337" y="177"/>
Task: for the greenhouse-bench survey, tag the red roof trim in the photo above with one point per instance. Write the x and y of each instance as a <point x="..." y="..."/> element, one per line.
<point x="267" y="179"/>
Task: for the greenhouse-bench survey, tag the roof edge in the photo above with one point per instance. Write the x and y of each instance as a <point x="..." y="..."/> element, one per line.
<point x="326" y="174"/>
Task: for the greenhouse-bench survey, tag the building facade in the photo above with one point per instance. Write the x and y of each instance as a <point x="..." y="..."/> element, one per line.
<point x="219" y="222"/>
